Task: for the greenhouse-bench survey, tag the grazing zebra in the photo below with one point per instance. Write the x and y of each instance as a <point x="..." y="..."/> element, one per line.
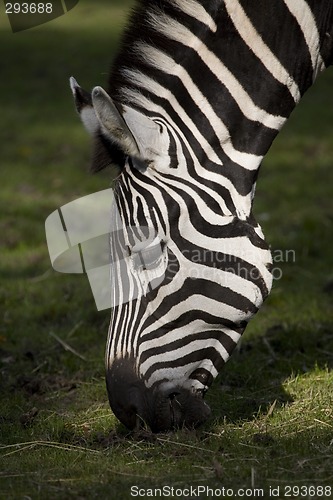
<point x="196" y="96"/>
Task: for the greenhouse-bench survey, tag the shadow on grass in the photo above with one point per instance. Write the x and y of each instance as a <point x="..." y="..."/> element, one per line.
<point x="255" y="376"/>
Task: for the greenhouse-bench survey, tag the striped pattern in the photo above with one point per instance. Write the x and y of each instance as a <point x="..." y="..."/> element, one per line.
<point x="218" y="79"/>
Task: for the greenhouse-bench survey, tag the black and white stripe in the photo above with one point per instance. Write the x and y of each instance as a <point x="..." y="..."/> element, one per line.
<point x="199" y="91"/>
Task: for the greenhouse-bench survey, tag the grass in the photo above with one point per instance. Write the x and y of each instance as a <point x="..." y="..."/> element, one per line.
<point x="272" y="423"/>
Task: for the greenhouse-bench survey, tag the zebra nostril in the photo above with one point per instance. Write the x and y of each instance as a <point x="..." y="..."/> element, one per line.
<point x="187" y="409"/>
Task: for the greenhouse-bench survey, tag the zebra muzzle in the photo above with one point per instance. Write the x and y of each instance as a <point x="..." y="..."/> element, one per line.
<point x="136" y="405"/>
<point x="178" y="409"/>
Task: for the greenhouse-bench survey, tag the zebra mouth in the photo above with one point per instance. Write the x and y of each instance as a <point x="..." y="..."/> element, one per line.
<point x="136" y="405"/>
<point x="181" y="408"/>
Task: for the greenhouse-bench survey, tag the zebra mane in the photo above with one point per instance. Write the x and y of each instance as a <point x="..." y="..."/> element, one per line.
<point x="145" y="48"/>
<point x="150" y="33"/>
<point x="154" y="66"/>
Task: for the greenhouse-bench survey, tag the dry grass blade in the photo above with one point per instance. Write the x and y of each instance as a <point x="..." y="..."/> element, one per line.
<point x="271" y="409"/>
<point x="161" y="440"/>
<point x="67" y="347"/>
<point x="323" y="423"/>
<point x="51" y="444"/>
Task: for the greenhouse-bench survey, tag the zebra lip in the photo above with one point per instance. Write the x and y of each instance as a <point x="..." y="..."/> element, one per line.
<point x="178" y="409"/>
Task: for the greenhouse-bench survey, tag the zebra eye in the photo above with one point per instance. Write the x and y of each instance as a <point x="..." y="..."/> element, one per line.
<point x="137" y="164"/>
<point x="173" y="395"/>
<point x="149" y="257"/>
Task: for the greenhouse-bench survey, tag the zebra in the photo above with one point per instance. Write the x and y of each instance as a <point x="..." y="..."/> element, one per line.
<point x="195" y="98"/>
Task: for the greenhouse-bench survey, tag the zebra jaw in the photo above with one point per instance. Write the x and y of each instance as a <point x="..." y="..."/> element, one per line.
<point x="136" y="405"/>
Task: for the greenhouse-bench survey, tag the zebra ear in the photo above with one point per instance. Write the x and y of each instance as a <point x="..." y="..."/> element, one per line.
<point x="135" y="133"/>
<point x="84" y="106"/>
<point x="105" y="151"/>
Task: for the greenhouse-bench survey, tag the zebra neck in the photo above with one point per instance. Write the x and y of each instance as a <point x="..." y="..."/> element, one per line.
<point x="222" y="77"/>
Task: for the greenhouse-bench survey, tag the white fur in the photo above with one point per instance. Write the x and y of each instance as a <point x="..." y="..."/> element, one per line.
<point x="180" y="33"/>
<point x="247" y="160"/>
<point x="89" y="120"/>
<point x="254" y="41"/>
<point x="196" y="10"/>
<point x="304" y="17"/>
<point x="73" y="83"/>
<point x="165" y="63"/>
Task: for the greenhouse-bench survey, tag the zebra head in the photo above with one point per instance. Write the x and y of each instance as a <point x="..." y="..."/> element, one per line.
<point x="188" y="274"/>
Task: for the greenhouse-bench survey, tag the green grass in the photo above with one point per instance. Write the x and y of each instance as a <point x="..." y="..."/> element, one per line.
<point x="272" y="422"/>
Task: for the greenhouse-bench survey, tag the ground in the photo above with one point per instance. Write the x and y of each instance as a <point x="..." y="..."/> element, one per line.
<point x="272" y="412"/>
